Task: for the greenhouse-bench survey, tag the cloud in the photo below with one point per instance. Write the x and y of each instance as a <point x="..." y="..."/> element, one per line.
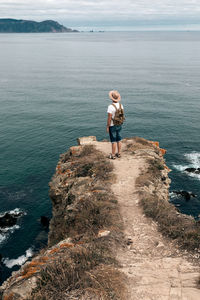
<point x="100" y="11"/>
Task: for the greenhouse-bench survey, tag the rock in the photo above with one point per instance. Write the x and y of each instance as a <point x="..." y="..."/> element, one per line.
<point x="162" y="151"/>
<point x="185" y="194"/>
<point x="103" y="233"/>
<point x="193" y="170"/>
<point x="86" y="140"/>
<point x="44" y="221"/>
<point x="156" y="144"/>
<point x="129" y="241"/>
<point x="8" y="220"/>
<point x="160" y="245"/>
<point x="75" y="150"/>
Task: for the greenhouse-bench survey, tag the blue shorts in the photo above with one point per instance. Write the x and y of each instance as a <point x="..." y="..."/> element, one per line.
<point x="114" y="132"/>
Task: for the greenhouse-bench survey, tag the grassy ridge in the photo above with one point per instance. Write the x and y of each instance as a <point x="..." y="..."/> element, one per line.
<point x="87" y="269"/>
<point x="182" y="228"/>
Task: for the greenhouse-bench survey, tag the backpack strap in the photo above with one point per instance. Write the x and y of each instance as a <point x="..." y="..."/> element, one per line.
<point x="120" y="106"/>
<point x="114" y="106"/>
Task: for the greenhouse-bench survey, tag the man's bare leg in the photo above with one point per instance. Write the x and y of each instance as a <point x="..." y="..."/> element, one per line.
<point x="119" y="147"/>
<point x="113" y="149"/>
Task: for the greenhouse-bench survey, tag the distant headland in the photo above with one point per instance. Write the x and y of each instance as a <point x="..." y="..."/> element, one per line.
<point x="25" y="26"/>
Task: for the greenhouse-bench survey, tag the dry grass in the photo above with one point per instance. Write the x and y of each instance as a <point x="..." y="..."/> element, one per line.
<point x="100" y="169"/>
<point x="138" y="143"/>
<point x="179" y="227"/>
<point x="90" y="204"/>
<point x="92" y="215"/>
<point x="89" y="214"/>
<point x="86" y="269"/>
<point x="152" y="172"/>
<point x="82" y="270"/>
<point x="184" y="229"/>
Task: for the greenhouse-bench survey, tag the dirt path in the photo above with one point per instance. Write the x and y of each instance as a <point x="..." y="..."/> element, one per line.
<point x="154" y="267"/>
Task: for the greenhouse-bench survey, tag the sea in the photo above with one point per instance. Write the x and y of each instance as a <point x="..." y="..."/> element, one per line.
<point x="54" y="88"/>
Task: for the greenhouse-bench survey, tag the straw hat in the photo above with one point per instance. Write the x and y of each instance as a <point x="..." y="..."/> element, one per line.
<point x="115" y="96"/>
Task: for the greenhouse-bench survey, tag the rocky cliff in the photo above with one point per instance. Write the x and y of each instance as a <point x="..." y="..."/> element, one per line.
<point x="101" y="245"/>
<point x="25" y="26"/>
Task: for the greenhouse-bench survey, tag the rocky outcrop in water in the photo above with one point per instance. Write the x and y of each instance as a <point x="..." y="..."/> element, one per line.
<point x="9" y="219"/>
<point x="184" y="194"/>
<point x="193" y="170"/>
<point x="44" y="221"/>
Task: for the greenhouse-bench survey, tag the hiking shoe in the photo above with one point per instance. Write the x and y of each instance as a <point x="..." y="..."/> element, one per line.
<point x="112" y="156"/>
<point x="118" y="155"/>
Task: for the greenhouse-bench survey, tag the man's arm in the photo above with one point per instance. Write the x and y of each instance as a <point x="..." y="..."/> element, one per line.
<point x="108" y="121"/>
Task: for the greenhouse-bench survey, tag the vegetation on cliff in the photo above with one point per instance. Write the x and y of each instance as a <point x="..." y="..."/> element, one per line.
<point x="25" y="26"/>
<point x="184" y="229"/>
<point x="85" y="211"/>
<point x="86" y="231"/>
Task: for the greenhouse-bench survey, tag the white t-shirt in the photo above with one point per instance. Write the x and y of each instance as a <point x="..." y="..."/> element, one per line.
<point x="112" y="110"/>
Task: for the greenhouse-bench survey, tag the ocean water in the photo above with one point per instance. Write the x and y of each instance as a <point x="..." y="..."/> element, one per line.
<point x="54" y="89"/>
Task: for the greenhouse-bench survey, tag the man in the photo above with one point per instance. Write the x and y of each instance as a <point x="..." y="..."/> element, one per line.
<point x="114" y="123"/>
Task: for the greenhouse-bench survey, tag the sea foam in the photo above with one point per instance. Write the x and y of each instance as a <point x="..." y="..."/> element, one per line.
<point x="193" y="160"/>
<point x="6" y="231"/>
<point x="15" y="212"/>
<point x="18" y="261"/>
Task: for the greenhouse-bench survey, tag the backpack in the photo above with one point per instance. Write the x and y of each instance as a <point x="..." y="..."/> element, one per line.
<point x="119" y="115"/>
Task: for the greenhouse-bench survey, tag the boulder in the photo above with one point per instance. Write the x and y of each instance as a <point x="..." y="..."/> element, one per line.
<point x="193" y="170"/>
<point x="8" y="220"/>
<point x="185" y="194"/>
<point x="86" y="140"/>
<point x="44" y="221"/>
<point x="75" y="150"/>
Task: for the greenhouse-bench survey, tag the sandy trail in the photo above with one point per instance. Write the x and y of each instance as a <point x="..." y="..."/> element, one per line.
<point x="155" y="269"/>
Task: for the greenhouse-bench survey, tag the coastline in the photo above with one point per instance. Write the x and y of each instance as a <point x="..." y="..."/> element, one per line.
<point x="88" y="216"/>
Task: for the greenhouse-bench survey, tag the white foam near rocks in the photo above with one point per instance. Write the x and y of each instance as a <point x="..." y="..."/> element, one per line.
<point x="15" y="212"/>
<point x="18" y="261"/>
<point x="180" y="167"/>
<point x="193" y="159"/>
<point x="194" y="175"/>
<point x="3" y="237"/>
<point x="10" y="229"/>
<point x="4" y="232"/>
<point x="172" y="195"/>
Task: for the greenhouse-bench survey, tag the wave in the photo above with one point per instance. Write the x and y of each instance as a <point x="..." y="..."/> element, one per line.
<point x="14" y="212"/>
<point x="193" y="160"/>
<point x="10" y="263"/>
<point x="10" y="229"/>
<point x="3" y="237"/>
<point x="6" y="231"/>
<point x="172" y="195"/>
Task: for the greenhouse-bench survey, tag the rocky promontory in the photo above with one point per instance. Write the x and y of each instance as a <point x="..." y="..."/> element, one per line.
<point x="113" y="234"/>
<point x="26" y="26"/>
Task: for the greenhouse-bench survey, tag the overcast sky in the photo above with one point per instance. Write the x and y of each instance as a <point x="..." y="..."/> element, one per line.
<point x="180" y="14"/>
